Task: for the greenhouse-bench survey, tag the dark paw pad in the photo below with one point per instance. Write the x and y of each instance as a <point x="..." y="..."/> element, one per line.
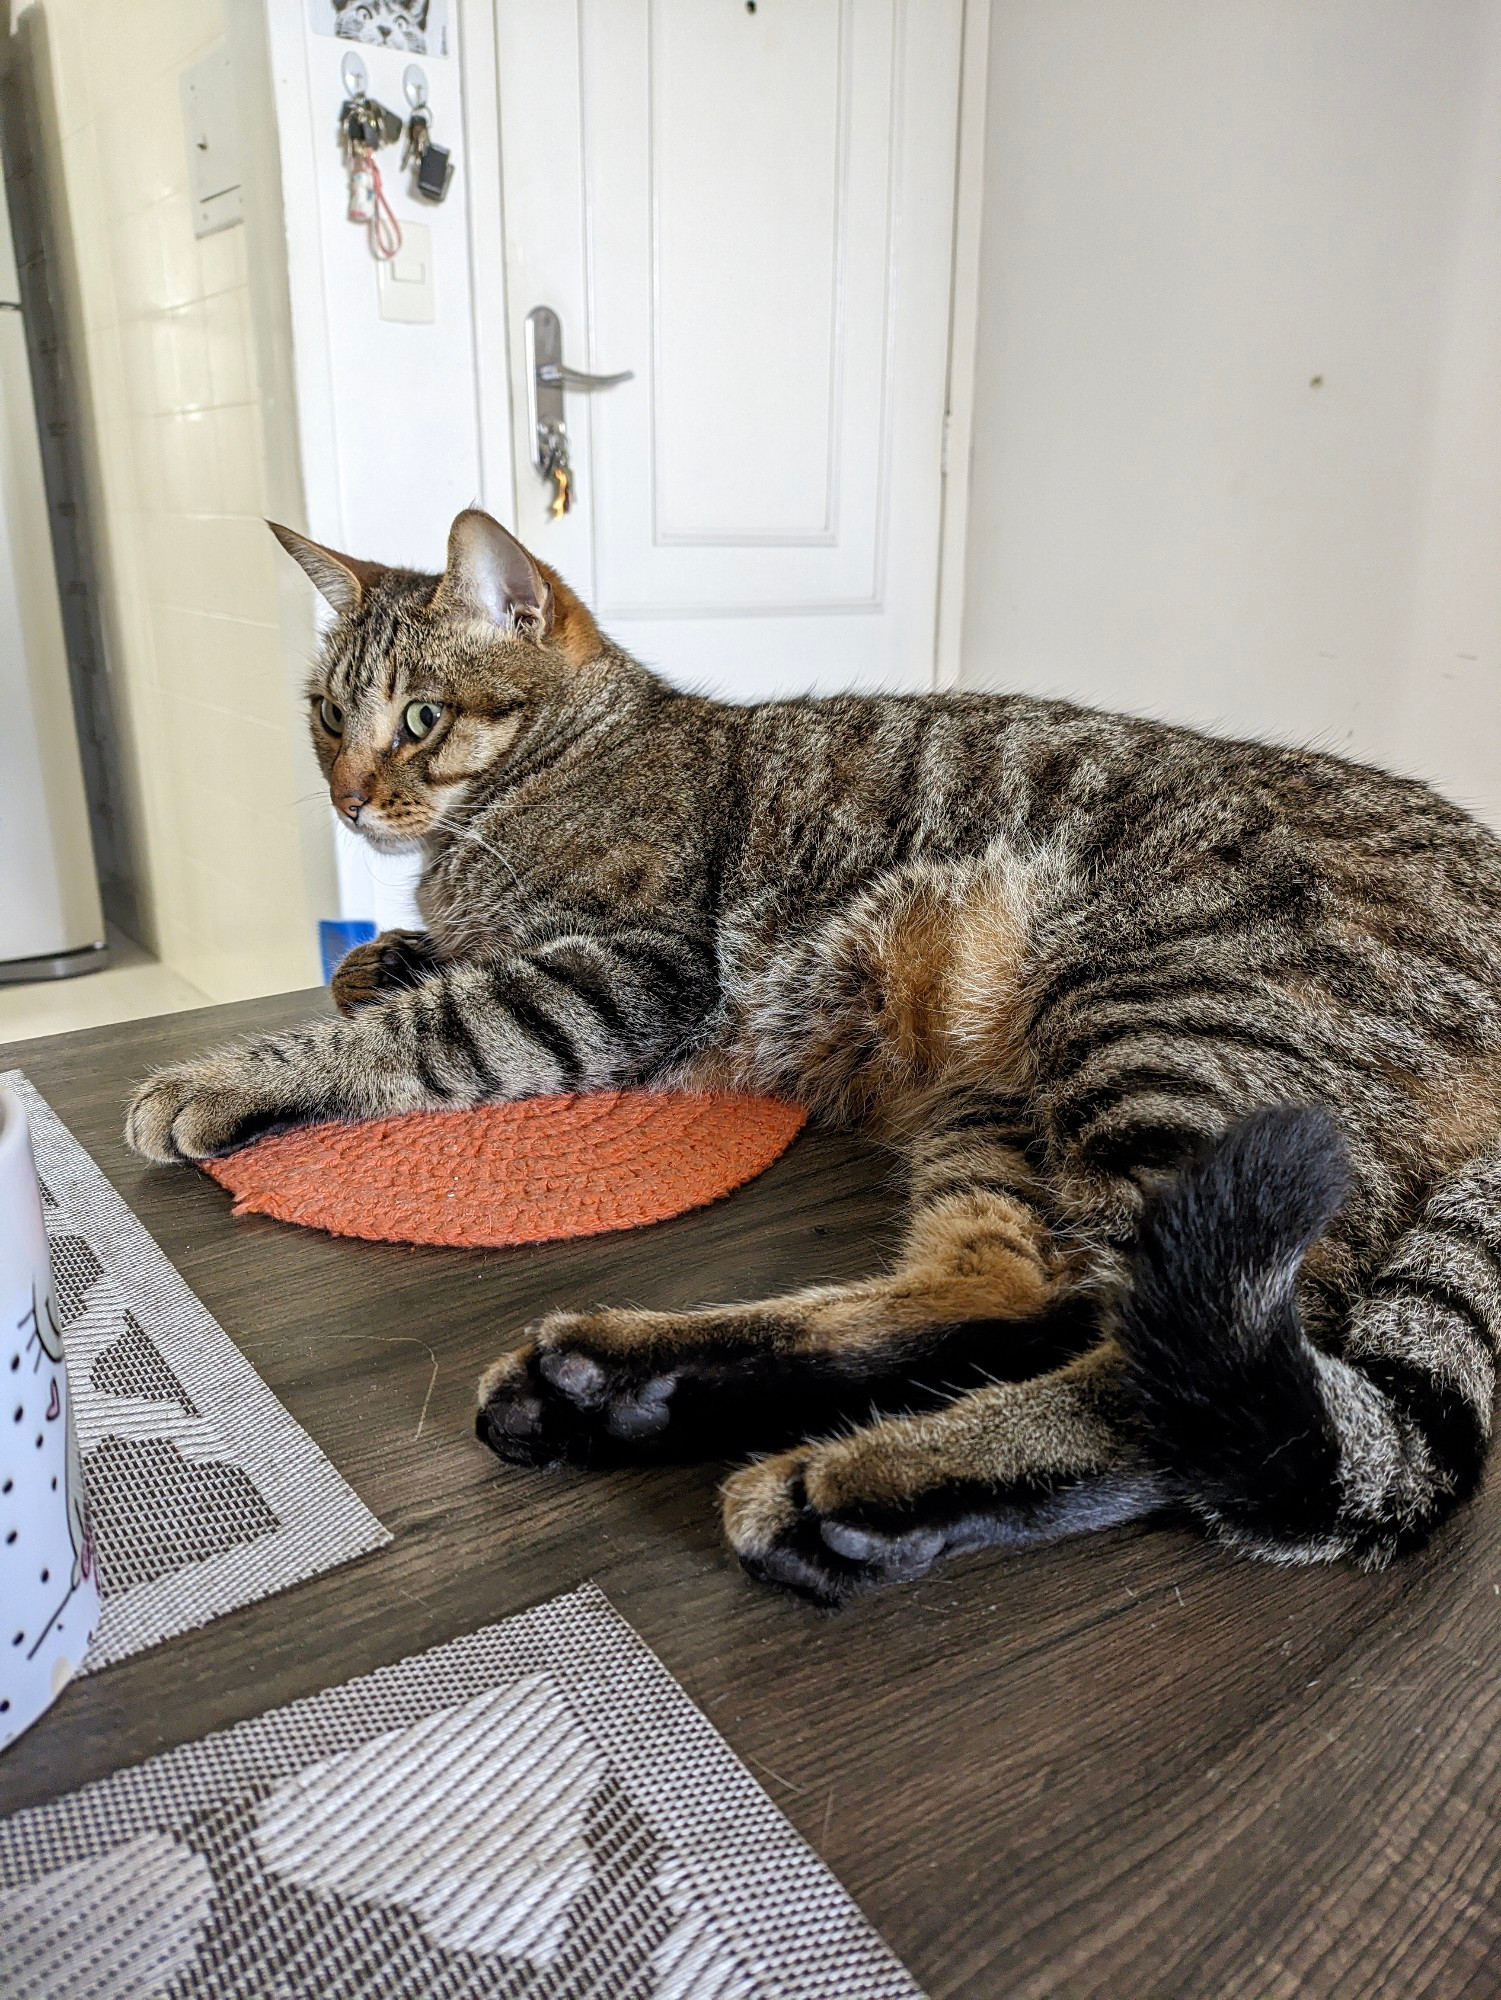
<point x="886" y="1556"/>
<point x="521" y="1418"/>
<point x="643" y="1413"/>
<point x="524" y="1425"/>
<point x="576" y="1377"/>
<point x="547" y="1403"/>
<point x="782" y="1536"/>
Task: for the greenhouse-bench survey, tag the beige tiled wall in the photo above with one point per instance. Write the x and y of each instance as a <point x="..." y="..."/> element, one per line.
<point x="178" y="456"/>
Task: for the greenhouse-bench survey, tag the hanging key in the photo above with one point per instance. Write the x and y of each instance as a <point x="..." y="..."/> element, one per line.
<point x="555" y="466"/>
<point x="418" y="138"/>
<point x="433" y="165"/>
<point x="364" y="122"/>
<point x="355" y="126"/>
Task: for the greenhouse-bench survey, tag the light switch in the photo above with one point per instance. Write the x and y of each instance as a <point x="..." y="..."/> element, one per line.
<point x="211" y="127"/>
<point x="404" y="282"/>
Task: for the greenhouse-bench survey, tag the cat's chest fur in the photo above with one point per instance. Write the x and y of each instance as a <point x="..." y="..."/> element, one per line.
<point x="506" y="882"/>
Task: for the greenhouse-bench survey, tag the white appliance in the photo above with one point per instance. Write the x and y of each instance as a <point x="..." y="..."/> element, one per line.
<point x="50" y="919"/>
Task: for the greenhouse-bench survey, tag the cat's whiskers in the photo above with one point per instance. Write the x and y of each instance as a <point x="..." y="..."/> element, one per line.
<point x="472" y="834"/>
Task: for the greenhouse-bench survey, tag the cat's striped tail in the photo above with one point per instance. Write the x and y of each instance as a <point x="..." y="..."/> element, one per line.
<point x="1289" y="1450"/>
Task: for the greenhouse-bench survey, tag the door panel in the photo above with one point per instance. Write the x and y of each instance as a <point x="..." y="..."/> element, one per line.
<point x="754" y="212"/>
<point x="729" y="201"/>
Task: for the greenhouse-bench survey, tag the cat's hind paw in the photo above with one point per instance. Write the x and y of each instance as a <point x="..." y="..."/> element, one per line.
<point x="554" y="1400"/>
<point x="783" y="1519"/>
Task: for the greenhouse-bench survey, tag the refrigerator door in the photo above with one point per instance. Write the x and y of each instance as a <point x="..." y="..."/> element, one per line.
<point x="50" y="919"/>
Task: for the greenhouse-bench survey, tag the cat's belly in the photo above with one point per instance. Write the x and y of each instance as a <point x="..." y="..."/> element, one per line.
<point x="914" y="984"/>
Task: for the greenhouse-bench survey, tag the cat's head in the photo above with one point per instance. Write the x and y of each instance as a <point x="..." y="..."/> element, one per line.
<point x="392" y="24"/>
<point x="424" y="683"/>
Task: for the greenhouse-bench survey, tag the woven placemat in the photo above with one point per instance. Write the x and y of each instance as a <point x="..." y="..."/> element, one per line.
<point x="532" y="1172"/>
<point x="204" y="1493"/>
<point x="536" y="1812"/>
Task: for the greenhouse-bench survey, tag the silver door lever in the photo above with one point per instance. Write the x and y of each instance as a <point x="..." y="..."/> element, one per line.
<point x="554" y="374"/>
<point x="546" y="379"/>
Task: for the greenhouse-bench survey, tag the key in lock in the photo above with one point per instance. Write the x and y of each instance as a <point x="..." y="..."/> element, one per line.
<point x="552" y="440"/>
<point x="547" y="379"/>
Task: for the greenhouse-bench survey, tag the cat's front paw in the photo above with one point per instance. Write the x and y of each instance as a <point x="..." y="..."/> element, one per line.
<point x="386" y="964"/>
<point x="799" y="1520"/>
<point x="197" y="1110"/>
<point x="566" y="1394"/>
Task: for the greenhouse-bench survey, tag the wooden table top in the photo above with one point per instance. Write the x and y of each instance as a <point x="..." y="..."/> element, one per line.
<point x="1128" y="1766"/>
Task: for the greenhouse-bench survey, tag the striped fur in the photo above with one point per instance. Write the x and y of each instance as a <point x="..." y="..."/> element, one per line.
<point x="1051" y="956"/>
<point x="1293" y="1450"/>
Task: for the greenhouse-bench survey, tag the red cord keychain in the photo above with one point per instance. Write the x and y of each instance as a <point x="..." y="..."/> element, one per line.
<point x="366" y="125"/>
<point x="385" y="230"/>
<point x="368" y="203"/>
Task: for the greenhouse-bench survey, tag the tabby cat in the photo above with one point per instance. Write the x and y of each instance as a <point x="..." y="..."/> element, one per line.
<point x="1191" y="1050"/>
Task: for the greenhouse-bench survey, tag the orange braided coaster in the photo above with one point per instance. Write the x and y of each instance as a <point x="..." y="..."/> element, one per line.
<point x="514" y="1173"/>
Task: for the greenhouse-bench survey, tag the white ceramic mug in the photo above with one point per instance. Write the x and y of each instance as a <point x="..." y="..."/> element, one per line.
<point x="49" y="1587"/>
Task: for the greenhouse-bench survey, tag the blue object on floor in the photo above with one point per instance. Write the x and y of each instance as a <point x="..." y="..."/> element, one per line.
<point x="338" y="936"/>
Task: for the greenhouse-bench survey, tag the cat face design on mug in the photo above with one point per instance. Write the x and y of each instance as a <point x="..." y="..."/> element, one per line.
<point x="422" y="690"/>
<point x="392" y="24"/>
<point x="49" y="1584"/>
<point x="46" y="1335"/>
<point x="49" y="1334"/>
<point x="39" y="1371"/>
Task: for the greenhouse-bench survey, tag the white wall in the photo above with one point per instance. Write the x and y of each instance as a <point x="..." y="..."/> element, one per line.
<point x="172" y="418"/>
<point x="1237" y="429"/>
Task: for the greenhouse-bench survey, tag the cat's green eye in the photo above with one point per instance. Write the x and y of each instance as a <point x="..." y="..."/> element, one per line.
<point x="331" y="716"/>
<point x="421" y="718"/>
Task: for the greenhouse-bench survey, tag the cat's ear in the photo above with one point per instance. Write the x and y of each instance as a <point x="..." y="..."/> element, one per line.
<point x="341" y="580"/>
<point x="490" y="575"/>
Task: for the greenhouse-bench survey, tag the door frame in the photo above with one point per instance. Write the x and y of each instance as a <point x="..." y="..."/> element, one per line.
<point x="964" y="329"/>
<point x="495" y="399"/>
<point x="479" y="82"/>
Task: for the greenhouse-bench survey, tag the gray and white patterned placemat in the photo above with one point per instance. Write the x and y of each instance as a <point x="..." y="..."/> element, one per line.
<point x="536" y="1812"/>
<point x="204" y="1493"/>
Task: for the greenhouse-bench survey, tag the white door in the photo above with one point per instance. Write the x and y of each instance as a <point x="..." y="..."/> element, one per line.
<point x="751" y="207"/>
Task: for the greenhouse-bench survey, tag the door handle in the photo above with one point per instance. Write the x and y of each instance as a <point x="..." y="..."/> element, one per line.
<point x="550" y="373"/>
<point x="546" y="379"/>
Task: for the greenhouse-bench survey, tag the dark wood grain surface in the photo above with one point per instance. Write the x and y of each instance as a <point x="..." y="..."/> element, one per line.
<point x="1130" y="1766"/>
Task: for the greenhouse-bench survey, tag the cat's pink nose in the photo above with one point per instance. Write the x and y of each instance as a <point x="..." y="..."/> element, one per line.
<point x="350" y="785"/>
